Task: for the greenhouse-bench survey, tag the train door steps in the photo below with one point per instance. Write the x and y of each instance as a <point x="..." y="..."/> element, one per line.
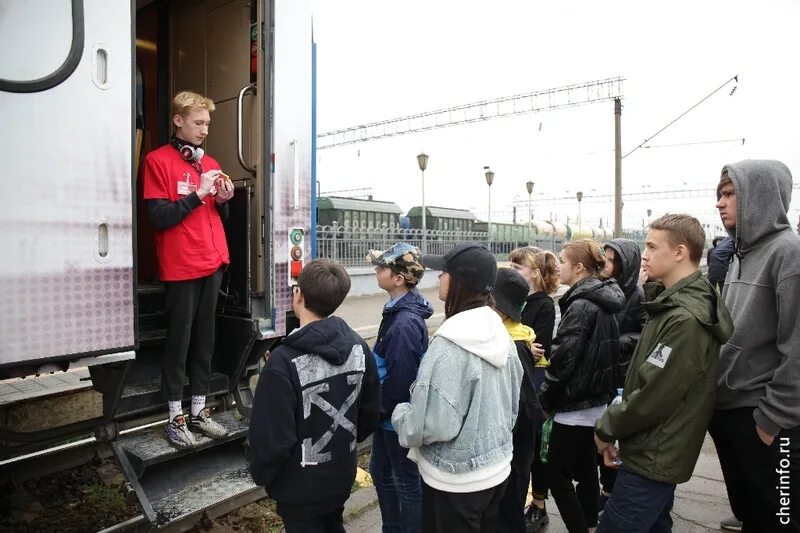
<point x="16" y="389"/>
<point x="215" y="490"/>
<point x="143" y="392"/>
<point x="150" y="447"/>
<point x="173" y="484"/>
<point x="152" y="317"/>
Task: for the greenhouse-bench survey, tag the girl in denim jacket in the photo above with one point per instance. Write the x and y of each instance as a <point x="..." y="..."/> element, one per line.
<point x="458" y="424"/>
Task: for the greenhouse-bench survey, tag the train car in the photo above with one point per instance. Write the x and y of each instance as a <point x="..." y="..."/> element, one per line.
<point x="599" y="234"/>
<point x="575" y="232"/>
<point x="504" y="236"/>
<point x="442" y="219"/>
<point x="357" y="213"/>
<point x="79" y="274"/>
<point x="560" y="230"/>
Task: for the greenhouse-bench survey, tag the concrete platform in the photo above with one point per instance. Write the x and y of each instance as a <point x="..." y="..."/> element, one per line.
<point x="700" y="503"/>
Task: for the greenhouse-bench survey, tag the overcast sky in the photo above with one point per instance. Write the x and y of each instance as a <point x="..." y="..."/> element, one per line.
<point x="378" y="60"/>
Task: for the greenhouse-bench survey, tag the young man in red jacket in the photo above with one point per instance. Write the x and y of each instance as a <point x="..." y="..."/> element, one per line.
<point x="186" y="194"/>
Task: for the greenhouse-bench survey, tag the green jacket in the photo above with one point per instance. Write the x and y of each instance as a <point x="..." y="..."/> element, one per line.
<point x="670" y="387"/>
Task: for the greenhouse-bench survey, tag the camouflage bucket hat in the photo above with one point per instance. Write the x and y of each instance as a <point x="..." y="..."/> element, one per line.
<point x="402" y="258"/>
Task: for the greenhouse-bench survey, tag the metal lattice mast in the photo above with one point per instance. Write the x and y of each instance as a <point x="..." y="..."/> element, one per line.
<point x="632" y="196"/>
<point x="546" y="100"/>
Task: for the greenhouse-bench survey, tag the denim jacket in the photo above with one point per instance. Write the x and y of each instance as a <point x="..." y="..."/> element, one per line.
<point x="458" y="424"/>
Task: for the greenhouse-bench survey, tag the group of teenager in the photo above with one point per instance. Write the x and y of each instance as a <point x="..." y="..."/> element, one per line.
<point x="463" y="421"/>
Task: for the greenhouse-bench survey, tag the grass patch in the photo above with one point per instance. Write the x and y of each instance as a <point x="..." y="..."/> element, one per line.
<point x="101" y="497"/>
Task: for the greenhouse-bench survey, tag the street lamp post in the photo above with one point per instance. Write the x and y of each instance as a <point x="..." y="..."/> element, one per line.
<point x="489" y="180"/>
<point x="579" y="196"/>
<point x="422" y="160"/>
<point x="529" y="186"/>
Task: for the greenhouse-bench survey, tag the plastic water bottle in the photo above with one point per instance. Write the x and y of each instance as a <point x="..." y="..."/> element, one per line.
<point x="618" y="398"/>
<point x="616" y="401"/>
<point x="547" y="428"/>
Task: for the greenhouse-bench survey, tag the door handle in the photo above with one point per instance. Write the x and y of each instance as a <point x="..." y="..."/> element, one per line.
<point x="239" y="125"/>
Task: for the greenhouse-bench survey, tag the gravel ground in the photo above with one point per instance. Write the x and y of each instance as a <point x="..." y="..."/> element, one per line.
<point x="87" y="498"/>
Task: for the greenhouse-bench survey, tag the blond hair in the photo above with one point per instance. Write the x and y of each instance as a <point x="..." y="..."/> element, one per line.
<point x="588" y="253"/>
<point x="185" y="101"/>
<point x="685" y="230"/>
<point x="537" y="259"/>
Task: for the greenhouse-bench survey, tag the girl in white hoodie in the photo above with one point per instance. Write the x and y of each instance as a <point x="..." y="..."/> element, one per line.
<point x="464" y="403"/>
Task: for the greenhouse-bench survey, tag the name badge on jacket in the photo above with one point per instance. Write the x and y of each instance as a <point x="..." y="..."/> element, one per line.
<point x="186" y="187"/>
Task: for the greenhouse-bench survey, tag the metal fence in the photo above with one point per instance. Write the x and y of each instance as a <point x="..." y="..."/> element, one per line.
<point x="349" y="246"/>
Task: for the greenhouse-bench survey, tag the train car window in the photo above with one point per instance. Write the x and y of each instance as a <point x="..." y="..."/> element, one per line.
<point x="348" y="218"/>
<point x="43" y="58"/>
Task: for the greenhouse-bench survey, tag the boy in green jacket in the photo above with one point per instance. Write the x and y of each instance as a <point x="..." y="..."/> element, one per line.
<point x="671" y="382"/>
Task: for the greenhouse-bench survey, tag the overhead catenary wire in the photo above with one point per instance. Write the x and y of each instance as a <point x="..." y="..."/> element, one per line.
<point x="696" y="143"/>
<point x="676" y="119"/>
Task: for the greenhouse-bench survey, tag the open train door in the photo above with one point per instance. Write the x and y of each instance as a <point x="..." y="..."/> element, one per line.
<point x="67" y="271"/>
<point x="253" y="58"/>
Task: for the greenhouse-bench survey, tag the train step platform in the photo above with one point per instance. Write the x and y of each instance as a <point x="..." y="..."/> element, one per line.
<point x="173" y="484"/>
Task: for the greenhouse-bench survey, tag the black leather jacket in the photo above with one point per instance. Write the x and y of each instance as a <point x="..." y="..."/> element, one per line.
<point x="584" y="352"/>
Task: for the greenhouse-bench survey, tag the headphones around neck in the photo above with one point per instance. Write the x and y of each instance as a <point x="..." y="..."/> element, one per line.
<point x="187" y="151"/>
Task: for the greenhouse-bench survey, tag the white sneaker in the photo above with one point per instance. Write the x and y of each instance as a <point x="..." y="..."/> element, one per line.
<point x="206" y="425"/>
<point x="178" y="433"/>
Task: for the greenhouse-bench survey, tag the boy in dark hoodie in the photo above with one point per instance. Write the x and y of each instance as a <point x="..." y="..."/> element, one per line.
<point x="509" y="293"/>
<point x="623" y="263"/>
<point x="669" y="390"/>
<point x="317" y="396"/>
<point x="401" y="343"/>
<point x="756" y="425"/>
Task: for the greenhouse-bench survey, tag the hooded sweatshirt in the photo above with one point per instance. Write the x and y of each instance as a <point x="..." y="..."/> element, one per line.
<point x="317" y="396"/>
<point x="669" y="392"/>
<point x="523" y="336"/>
<point x="458" y="424"/>
<point x="760" y="364"/>
<point x="539" y="313"/>
<point x="719" y="258"/>
<point x="632" y="317"/>
<point x="402" y="341"/>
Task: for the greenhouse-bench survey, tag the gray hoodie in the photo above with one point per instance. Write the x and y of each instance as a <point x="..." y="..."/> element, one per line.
<point x="463" y="404"/>
<point x="760" y="364"/>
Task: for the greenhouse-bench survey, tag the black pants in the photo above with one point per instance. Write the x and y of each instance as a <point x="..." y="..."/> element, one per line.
<point x="191" y="316"/>
<point x="571" y="457"/>
<point x="512" y="507"/>
<point x="329" y="523"/>
<point x="763" y="481"/>
<point x="456" y="512"/>
<point x="539" y="475"/>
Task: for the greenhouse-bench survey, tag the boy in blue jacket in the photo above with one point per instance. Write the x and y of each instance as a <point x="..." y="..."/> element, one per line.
<point x="402" y="341"/>
<point x="317" y="396"/>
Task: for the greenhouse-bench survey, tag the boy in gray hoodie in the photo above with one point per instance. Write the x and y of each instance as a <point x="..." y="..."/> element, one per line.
<point x="756" y="424"/>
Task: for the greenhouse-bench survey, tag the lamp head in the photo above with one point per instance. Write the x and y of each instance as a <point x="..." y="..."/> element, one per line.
<point x="422" y="160"/>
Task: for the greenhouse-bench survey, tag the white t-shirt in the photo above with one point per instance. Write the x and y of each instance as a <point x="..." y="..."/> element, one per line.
<point x="582" y="417"/>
